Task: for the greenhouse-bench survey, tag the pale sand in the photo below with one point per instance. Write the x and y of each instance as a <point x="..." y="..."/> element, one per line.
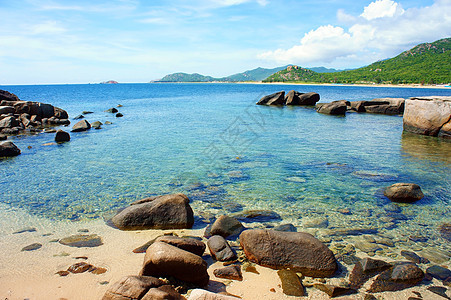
<point x="31" y="275"/>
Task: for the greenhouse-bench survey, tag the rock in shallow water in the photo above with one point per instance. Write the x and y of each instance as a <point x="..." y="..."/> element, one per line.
<point x="404" y="192"/>
<point x="8" y="149"/>
<point x="398" y="277"/>
<point x="82" y="240"/>
<point x="164" y="212"/>
<point x="34" y="246"/>
<point x="82" y="125"/>
<point x="298" y="251"/>
<point x="250" y="216"/>
<point x="226" y="226"/>
<point x="438" y="272"/>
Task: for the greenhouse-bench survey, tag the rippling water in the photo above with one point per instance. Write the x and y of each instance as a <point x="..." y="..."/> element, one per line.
<point x="211" y="142"/>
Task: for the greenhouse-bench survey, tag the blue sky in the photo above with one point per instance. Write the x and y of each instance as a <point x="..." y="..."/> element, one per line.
<point x="48" y="41"/>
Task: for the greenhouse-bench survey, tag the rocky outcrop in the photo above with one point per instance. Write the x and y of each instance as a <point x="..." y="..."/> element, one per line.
<point x="404" y="192"/>
<point x="8" y="149"/>
<point x="332" y="108"/>
<point x="273" y="99"/>
<point x="298" y="251"/>
<point x="164" y="212"/>
<point x="386" y="106"/>
<point x="297" y="98"/>
<point x="17" y="116"/>
<point x="164" y="260"/>
<point x="428" y="116"/>
<point x="292" y="98"/>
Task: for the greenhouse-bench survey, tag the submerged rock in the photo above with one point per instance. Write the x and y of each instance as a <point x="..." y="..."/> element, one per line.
<point x="166" y="260"/>
<point x="34" y="246"/>
<point x="438" y="272"/>
<point x="398" y="277"/>
<point x="82" y="240"/>
<point x="286" y="227"/>
<point x="413" y="257"/>
<point x="250" y="216"/>
<point x="298" y="251"/>
<point x="404" y="192"/>
<point x="164" y="212"/>
<point x="445" y="231"/>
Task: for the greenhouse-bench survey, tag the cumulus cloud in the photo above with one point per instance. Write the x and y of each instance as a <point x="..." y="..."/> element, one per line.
<point x="382" y="8"/>
<point x="382" y="30"/>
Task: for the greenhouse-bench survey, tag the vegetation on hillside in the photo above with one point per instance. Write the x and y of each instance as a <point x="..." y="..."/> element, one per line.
<point x="428" y="63"/>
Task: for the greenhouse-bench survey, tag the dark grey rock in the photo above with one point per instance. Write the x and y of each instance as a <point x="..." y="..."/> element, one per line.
<point x="34" y="246"/>
<point x="62" y="136"/>
<point x="8" y="149"/>
<point x="438" y="272"/>
<point x="332" y="108"/>
<point x="219" y="248"/>
<point x="82" y="125"/>
<point x="273" y="99"/>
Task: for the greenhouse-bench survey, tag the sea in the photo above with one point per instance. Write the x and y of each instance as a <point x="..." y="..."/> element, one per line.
<point x="211" y="142"/>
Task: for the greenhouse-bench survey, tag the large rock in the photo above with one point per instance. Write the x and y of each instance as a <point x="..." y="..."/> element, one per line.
<point x="399" y="277"/>
<point x="62" y="136"/>
<point x="8" y="149"/>
<point x="188" y="244"/>
<point x="296" y="98"/>
<point x="141" y="288"/>
<point x="7" y="96"/>
<point x="273" y="99"/>
<point x="428" y="116"/>
<point x="9" y="122"/>
<point x="4" y="110"/>
<point x="226" y="226"/>
<point x="404" y="192"/>
<point x="166" y="260"/>
<point x="386" y="106"/>
<point x="164" y="212"/>
<point x="332" y="108"/>
<point x="298" y="251"/>
<point x="82" y="125"/>
<point x="220" y="249"/>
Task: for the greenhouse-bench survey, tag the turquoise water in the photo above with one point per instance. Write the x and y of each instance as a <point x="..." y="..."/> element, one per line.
<point x="211" y="142"/>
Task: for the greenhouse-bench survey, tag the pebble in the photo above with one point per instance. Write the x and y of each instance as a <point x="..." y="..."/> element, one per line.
<point x="82" y="240"/>
<point x="291" y="284"/>
<point x="34" y="246"/>
<point x="27" y="229"/>
<point x="79" y="267"/>
<point x="63" y="273"/>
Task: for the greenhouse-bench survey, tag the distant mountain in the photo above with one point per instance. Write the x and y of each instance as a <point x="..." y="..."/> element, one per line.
<point x="257" y="74"/>
<point x="426" y="63"/>
<point x="324" y="70"/>
<point x="109" y="82"/>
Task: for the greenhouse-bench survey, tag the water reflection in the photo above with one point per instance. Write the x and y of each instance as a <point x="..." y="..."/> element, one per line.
<point x="426" y="147"/>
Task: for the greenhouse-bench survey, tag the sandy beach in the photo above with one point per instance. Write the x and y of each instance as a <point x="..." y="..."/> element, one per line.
<point x="31" y="274"/>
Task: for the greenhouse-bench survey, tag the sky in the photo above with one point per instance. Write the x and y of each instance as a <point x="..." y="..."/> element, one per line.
<point x="85" y="41"/>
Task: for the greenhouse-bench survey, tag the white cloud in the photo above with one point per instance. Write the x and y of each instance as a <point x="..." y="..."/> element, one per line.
<point x="49" y="27"/>
<point x="237" y="2"/>
<point x="382" y="8"/>
<point x="383" y="30"/>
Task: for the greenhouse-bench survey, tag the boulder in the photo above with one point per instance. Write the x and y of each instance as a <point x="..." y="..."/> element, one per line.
<point x="132" y="287"/>
<point x="364" y="270"/>
<point x="164" y="292"/>
<point x="164" y="212"/>
<point x="219" y="248"/>
<point x="199" y="294"/>
<point x="188" y="244"/>
<point x="428" y="116"/>
<point x="332" y="108"/>
<point x="7" y="96"/>
<point x="166" y="260"/>
<point x="399" y="277"/>
<point x="112" y="110"/>
<point x="404" y="192"/>
<point x="273" y="99"/>
<point x="230" y="272"/>
<point x="82" y="125"/>
<point x="9" y="122"/>
<point x="226" y="226"/>
<point x="8" y="149"/>
<point x="4" y="110"/>
<point x="298" y="251"/>
<point x="386" y="106"/>
<point x="296" y="98"/>
<point x="61" y="136"/>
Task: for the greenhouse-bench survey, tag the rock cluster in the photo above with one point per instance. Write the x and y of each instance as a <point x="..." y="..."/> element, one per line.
<point x="17" y="116"/>
<point x="292" y="98"/>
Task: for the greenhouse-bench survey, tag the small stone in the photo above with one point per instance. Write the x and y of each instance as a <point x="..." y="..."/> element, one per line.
<point x="63" y="273"/>
<point x="87" y="112"/>
<point x="34" y="246"/>
<point x="104" y="282"/>
<point x="79" y="267"/>
<point x="82" y="240"/>
<point x="231" y="272"/>
<point x="445" y="231"/>
<point x="119" y="115"/>
<point x="439" y="290"/>
<point x="345" y="211"/>
<point x="111" y="110"/>
<point x="27" y="229"/>
<point x="286" y="228"/>
<point x="250" y="268"/>
<point x="81" y="257"/>
<point x="291" y="284"/>
<point x="98" y="270"/>
<point x="272" y="290"/>
<point x="413" y="257"/>
<point x="438" y="272"/>
<point x="62" y="254"/>
<point x="334" y="291"/>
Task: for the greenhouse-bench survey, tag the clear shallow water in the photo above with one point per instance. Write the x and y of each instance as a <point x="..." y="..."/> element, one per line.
<point x="211" y="142"/>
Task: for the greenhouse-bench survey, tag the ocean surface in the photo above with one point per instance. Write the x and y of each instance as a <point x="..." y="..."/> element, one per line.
<point x="211" y="142"/>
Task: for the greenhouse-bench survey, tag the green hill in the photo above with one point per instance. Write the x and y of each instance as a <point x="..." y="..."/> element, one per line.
<point x="184" y="77"/>
<point x="428" y="63"/>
